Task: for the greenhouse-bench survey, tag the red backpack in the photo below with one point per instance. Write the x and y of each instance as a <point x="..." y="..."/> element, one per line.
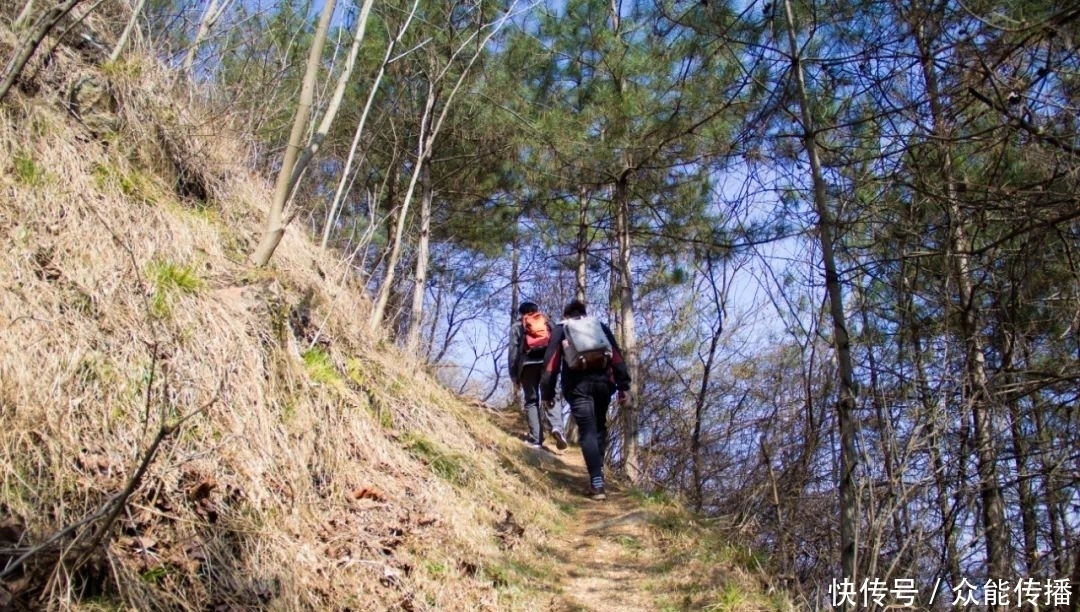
<point x="537" y="333"/>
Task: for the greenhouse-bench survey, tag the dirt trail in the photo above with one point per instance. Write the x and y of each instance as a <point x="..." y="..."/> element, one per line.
<point x="608" y="565"/>
<point x="606" y="559"/>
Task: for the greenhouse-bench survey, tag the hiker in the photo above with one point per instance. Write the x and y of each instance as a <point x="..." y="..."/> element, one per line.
<point x="583" y="350"/>
<point x="529" y="338"/>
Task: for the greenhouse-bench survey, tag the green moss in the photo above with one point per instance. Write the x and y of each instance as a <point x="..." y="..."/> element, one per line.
<point x="567" y="508"/>
<point x="397" y="386"/>
<point x="520" y="568"/>
<point x="22" y="236"/>
<point x="746" y="557"/>
<point x="114" y="140"/>
<point x="154" y="575"/>
<point x="321" y="368"/>
<point x="95" y="369"/>
<point x="500" y="576"/>
<point x="657" y="498"/>
<point x="80" y="302"/>
<point x="701" y="547"/>
<point x="205" y="213"/>
<point x="451" y="467"/>
<point x="45" y="126"/>
<point x="28" y="171"/>
<point x="382" y="416"/>
<point x="20" y="486"/>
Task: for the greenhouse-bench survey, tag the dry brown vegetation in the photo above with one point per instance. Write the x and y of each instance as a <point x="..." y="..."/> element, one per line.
<point x="292" y="460"/>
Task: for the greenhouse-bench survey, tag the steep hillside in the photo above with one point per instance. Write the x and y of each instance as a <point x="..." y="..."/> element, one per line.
<point x="180" y="431"/>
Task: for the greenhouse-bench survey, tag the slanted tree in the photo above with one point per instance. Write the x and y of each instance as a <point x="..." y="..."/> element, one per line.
<point x="31" y="39"/>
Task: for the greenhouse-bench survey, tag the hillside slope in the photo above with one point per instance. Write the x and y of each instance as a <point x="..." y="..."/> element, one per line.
<point x="180" y="431"/>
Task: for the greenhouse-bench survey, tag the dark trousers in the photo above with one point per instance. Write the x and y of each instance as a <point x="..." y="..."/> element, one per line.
<point x="530" y="386"/>
<point x="589" y="402"/>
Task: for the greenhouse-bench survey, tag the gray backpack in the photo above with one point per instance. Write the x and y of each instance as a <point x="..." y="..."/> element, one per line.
<point x="585" y="345"/>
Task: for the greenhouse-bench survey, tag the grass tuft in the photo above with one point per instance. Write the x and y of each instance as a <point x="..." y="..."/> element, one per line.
<point x="730" y="599"/>
<point x="169" y="280"/>
<point x="122" y="68"/>
<point x="132" y="184"/>
<point x="28" y="171"/>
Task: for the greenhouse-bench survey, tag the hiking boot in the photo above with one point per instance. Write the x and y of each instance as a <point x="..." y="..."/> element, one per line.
<point x="560" y="439"/>
<point x="596" y="494"/>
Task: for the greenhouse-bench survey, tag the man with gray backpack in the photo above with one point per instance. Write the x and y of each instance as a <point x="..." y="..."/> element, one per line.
<point x="584" y="352"/>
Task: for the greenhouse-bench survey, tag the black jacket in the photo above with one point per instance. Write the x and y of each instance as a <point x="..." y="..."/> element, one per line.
<point x="616" y="373"/>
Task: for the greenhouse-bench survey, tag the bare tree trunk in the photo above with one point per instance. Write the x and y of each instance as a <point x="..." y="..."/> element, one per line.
<point x="582" y="243"/>
<point x="436" y="313"/>
<point x="1056" y="506"/>
<point x="210" y="17"/>
<point x="614" y="307"/>
<point x="283" y="187"/>
<point x="125" y="36"/>
<point x="975" y="380"/>
<point x="845" y="406"/>
<point x="334" y="104"/>
<point x="27" y="45"/>
<point x="1021" y="447"/>
<point x="786" y="551"/>
<point x="23" y="15"/>
<point x="293" y="168"/>
<point x="948" y="511"/>
<point x="378" y="312"/>
<point x="392" y="213"/>
<point x="701" y="400"/>
<point x="339" y="193"/>
<point x="935" y="443"/>
<point x="993" y="505"/>
<point x="893" y="503"/>
<point x="515" y="271"/>
<point x="515" y="294"/>
<point x="1026" y="499"/>
<point x="423" y="247"/>
<point x="628" y="412"/>
<point x="1074" y="605"/>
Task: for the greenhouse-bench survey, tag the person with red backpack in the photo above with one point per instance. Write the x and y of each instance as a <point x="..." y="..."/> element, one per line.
<point x="529" y="337"/>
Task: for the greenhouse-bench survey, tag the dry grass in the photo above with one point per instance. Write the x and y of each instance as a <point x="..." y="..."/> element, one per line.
<point x="286" y="487"/>
<point x="301" y="475"/>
